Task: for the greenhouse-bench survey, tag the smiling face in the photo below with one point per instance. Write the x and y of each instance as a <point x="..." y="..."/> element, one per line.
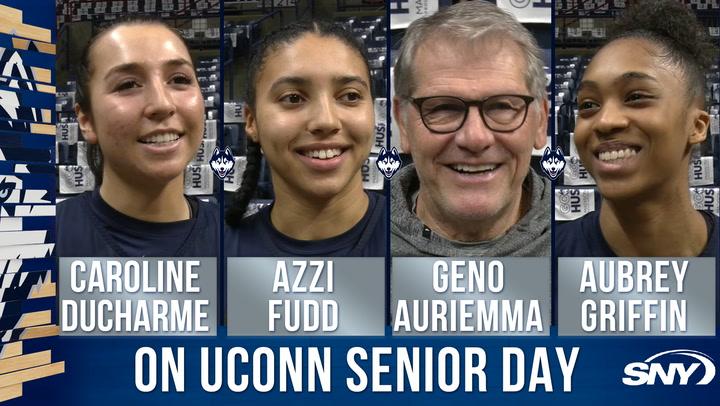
<point x="473" y="175"/>
<point x="313" y="117"/>
<point x="146" y="107"/>
<point x="636" y="122"/>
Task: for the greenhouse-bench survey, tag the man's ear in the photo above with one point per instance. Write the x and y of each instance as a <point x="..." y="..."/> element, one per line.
<point x="86" y="125"/>
<point x="400" y="120"/>
<point x="540" y="136"/>
<point x="699" y="126"/>
<point x="250" y="124"/>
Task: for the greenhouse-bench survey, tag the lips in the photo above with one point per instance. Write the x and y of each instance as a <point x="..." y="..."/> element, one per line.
<point x="322" y="153"/>
<point x="615" y="158"/>
<point x="609" y="156"/>
<point x="323" y="157"/>
<point x="160" y="138"/>
<point x="610" y="151"/>
<point x="473" y="169"/>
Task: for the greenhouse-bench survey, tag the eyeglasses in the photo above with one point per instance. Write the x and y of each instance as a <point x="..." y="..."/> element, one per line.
<point x="447" y="114"/>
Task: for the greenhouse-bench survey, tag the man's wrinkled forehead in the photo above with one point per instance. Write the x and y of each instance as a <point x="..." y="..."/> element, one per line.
<point x="451" y="44"/>
<point x="454" y="52"/>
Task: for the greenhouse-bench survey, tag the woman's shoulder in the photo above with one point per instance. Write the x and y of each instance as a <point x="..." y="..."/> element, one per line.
<point x="376" y="195"/>
<point x="73" y="213"/>
<point x="580" y="237"/>
<point x="76" y="202"/>
<point x="251" y="228"/>
<point x="77" y="228"/>
<point x="207" y="211"/>
<point x="249" y="224"/>
<point x="711" y="220"/>
<point x="378" y="202"/>
<point x="371" y="241"/>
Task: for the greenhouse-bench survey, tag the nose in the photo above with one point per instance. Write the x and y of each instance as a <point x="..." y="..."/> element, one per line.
<point x="474" y="135"/>
<point x="610" y="119"/>
<point x="324" y="118"/>
<point x="160" y="103"/>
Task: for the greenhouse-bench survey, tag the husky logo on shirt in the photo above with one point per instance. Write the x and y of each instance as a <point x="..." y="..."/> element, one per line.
<point x="388" y="162"/>
<point x="222" y="162"/>
<point x="553" y="162"/>
<point x="6" y="189"/>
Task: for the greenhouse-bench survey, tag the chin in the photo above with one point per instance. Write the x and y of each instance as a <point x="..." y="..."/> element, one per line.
<point x="619" y="192"/>
<point x="328" y="186"/>
<point x="321" y="193"/>
<point x="165" y="177"/>
<point x="474" y="212"/>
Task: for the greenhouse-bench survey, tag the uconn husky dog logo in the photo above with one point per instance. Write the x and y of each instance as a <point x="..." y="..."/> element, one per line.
<point x="388" y="162"/>
<point x="222" y="162"/>
<point x="553" y="162"/>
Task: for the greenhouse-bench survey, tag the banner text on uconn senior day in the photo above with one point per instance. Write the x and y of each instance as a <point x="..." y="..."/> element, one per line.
<point x="378" y="369"/>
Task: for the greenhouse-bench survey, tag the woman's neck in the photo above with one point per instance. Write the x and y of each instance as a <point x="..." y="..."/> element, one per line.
<point x="304" y="218"/>
<point x="665" y="225"/>
<point x="152" y="203"/>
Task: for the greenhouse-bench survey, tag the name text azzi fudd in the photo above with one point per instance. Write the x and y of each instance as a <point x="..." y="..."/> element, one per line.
<point x="303" y="314"/>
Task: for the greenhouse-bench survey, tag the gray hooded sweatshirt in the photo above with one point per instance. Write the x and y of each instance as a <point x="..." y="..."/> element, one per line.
<point x="530" y="237"/>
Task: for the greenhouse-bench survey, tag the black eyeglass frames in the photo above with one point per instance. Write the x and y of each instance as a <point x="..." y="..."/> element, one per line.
<point x="447" y="114"/>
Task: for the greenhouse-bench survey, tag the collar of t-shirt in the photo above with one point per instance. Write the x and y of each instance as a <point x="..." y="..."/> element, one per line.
<point x="132" y="237"/>
<point x="598" y="243"/>
<point x="340" y="245"/>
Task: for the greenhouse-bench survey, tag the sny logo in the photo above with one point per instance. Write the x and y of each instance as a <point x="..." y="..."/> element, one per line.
<point x="222" y="162"/>
<point x="388" y="162"/>
<point x="552" y="162"/>
<point x="645" y="373"/>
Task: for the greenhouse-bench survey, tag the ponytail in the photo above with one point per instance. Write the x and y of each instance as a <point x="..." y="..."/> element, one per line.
<point x="235" y="213"/>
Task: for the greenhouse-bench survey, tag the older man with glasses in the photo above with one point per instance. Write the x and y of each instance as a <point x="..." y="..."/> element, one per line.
<point x="470" y="103"/>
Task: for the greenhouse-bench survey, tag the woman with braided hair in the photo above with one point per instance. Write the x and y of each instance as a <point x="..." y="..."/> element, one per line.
<point x="641" y="105"/>
<point x="310" y="113"/>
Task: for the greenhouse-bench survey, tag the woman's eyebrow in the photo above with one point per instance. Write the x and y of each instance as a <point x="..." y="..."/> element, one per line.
<point x="301" y="81"/>
<point x="137" y="66"/>
<point x="632" y="75"/>
<point x="624" y="78"/>
<point x="343" y="80"/>
<point x="124" y="67"/>
<point x="289" y="80"/>
<point x="587" y="84"/>
<point x="178" y="62"/>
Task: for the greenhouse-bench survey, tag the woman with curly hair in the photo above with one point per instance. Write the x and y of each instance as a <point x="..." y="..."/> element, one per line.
<point x="641" y="110"/>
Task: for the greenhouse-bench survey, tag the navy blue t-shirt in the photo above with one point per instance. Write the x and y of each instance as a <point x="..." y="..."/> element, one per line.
<point x="257" y="237"/>
<point x="89" y="227"/>
<point x="583" y="238"/>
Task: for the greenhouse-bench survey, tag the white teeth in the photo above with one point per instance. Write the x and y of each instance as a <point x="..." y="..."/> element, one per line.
<point x="323" y="153"/>
<point x="160" y="138"/>
<point x="473" y="168"/>
<point x="616" y="155"/>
